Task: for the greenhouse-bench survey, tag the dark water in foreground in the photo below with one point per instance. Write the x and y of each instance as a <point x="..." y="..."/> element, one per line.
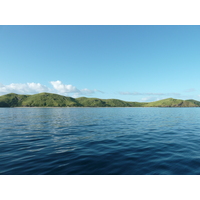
<point x="99" y="141"/>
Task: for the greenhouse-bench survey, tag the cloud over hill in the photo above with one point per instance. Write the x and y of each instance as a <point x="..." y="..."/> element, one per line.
<point x="32" y="88"/>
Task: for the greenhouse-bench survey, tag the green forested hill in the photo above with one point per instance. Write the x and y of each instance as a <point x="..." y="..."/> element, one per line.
<point x="37" y="100"/>
<point x="94" y="102"/>
<point x="91" y="102"/>
<point x="55" y="100"/>
<point x="170" y="102"/>
<point x="197" y="103"/>
<point x="49" y="100"/>
<point x="12" y="100"/>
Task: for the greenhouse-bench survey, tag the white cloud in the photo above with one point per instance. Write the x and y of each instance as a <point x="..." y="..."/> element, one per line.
<point x="61" y="88"/>
<point x="33" y="88"/>
<point x="21" y="88"/>
<point x="66" y="89"/>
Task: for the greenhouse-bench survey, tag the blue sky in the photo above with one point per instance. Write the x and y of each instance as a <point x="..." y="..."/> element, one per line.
<point x="132" y="63"/>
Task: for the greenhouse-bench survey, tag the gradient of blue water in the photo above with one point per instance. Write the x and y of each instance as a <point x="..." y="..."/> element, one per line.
<point x="99" y="141"/>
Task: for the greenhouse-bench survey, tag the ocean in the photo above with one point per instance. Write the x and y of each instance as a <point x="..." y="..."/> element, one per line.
<point x="99" y="141"/>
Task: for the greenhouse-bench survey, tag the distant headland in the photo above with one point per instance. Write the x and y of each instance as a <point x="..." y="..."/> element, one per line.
<point x="55" y="100"/>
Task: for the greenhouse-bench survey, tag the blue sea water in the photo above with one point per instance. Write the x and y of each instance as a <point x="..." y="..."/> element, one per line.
<point x="99" y="141"/>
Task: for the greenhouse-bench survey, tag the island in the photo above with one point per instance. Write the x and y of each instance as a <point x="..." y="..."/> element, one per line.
<point x="55" y="100"/>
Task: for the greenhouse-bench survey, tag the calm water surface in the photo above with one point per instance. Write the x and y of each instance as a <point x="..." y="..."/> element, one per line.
<point x="99" y="141"/>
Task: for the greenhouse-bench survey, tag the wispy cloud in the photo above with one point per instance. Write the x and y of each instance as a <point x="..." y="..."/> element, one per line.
<point x="149" y="93"/>
<point x="33" y="88"/>
<point x="190" y="90"/>
<point x="149" y="99"/>
<point x="152" y="96"/>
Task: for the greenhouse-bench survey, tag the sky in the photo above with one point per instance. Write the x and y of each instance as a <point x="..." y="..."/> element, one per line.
<point x="131" y="63"/>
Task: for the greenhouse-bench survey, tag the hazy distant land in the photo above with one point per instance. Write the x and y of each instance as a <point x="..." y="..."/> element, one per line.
<point x="55" y="100"/>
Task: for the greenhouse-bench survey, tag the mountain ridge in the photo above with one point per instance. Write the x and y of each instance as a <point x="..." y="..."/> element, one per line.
<point x="55" y="100"/>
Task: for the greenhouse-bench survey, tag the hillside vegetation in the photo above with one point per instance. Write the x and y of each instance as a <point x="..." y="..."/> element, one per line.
<point x="49" y="100"/>
<point x="55" y="100"/>
<point x="12" y="100"/>
<point x="170" y="102"/>
<point x="197" y="103"/>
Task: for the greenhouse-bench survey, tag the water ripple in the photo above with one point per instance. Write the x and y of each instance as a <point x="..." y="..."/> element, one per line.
<point x="100" y="141"/>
